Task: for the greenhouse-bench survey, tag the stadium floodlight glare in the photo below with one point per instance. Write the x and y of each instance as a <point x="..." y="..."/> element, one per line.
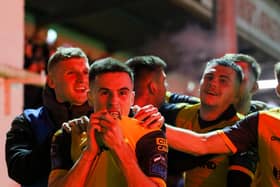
<point x="51" y="36"/>
<point x="267" y="84"/>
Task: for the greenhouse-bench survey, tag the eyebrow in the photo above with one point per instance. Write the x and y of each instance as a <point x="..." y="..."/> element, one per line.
<point x="107" y="89"/>
<point x="225" y="76"/>
<point x="220" y="76"/>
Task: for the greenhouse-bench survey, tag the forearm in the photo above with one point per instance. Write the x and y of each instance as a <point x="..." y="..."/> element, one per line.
<point x="132" y="172"/>
<point x="77" y="175"/>
<point x="194" y="143"/>
<point x="26" y="167"/>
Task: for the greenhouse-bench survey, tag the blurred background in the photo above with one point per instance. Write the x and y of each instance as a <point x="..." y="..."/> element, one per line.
<point x="184" y="33"/>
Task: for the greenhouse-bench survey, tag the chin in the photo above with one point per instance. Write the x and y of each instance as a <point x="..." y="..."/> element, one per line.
<point x="80" y="102"/>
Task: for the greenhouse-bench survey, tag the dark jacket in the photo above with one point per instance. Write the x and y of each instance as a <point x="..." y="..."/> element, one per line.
<point x="28" y="141"/>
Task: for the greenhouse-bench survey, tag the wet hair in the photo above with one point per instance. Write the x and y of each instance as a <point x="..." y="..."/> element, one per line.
<point x="251" y="61"/>
<point x="64" y="53"/>
<point x="227" y="63"/>
<point x="108" y="65"/>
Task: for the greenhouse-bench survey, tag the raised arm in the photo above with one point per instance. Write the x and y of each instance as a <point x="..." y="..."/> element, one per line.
<point x="195" y="143"/>
<point x="63" y="173"/>
<point x="112" y="136"/>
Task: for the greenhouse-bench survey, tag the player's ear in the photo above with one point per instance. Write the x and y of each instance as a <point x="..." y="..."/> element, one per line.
<point x="152" y="87"/>
<point x="255" y="87"/>
<point x="50" y="82"/>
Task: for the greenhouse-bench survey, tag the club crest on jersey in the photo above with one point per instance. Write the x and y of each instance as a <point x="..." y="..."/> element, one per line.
<point x="159" y="166"/>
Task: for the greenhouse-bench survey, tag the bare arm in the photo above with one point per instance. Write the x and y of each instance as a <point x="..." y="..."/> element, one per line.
<point x="195" y="143"/>
<point x="78" y="174"/>
<point x="129" y="165"/>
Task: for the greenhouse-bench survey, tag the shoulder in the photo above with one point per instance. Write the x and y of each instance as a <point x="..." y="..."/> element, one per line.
<point x="26" y="119"/>
<point x="187" y="113"/>
<point x="133" y="131"/>
<point x="257" y="105"/>
<point x="180" y="98"/>
<point x="32" y="114"/>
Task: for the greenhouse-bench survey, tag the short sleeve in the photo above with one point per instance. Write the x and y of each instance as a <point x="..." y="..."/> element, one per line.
<point x="151" y="152"/>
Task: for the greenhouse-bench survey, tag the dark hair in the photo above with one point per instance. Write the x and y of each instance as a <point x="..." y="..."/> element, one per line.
<point x="63" y="53"/>
<point x="227" y="63"/>
<point x="143" y="65"/>
<point x="149" y="62"/>
<point x="107" y="65"/>
<point x="251" y="61"/>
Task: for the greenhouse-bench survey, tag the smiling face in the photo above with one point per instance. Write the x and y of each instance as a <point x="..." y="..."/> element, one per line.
<point x="112" y="91"/>
<point x="69" y="79"/>
<point x="219" y="87"/>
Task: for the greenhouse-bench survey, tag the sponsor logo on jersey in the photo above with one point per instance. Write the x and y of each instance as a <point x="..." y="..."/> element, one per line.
<point x="162" y="144"/>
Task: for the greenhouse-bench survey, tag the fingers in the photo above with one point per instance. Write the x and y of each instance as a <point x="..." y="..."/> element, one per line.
<point x="154" y="121"/>
<point x="135" y="109"/>
<point x="150" y="117"/>
<point x="145" y="112"/>
<point x="78" y="124"/>
<point x="106" y="129"/>
<point x="102" y="121"/>
<point x="66" y="127"/>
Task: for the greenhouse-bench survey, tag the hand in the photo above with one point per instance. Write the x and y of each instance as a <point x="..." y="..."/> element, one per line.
<point x="77" y="128"/>
<point x="108" y="128"/>
<point x="77" y="125"/>
<point x="149" y="115"/>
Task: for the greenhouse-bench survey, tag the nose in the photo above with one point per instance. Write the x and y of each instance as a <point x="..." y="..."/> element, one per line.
<point x="82" y="77"/>
<point x="212" y="83"/>
<point x="114" y="102"/>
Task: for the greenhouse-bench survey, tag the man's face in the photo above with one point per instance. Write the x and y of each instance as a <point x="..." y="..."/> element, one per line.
<point x="69" y="79"/>
<point x="112" y="91"/>
<point x="218" y="87"/>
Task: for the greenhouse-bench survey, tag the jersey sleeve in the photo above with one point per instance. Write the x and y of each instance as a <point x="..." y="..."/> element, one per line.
<point x="170" y="111"/>
<point x="244" y="162"/>
<point x="61" y="151"/>
<point x="243" y="135"/>
<point x="151" y="153"/>
<point x="180" y="98"/>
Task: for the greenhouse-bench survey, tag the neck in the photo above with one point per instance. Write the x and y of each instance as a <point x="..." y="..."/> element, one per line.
<point x="142" y="101"/>
<point x="209" y="113"/>
<point x="243" y="106"/>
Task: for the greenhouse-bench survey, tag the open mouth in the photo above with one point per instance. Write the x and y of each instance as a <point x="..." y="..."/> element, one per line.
<point x="211" y="93"/>
<point x="81" y="89"/>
